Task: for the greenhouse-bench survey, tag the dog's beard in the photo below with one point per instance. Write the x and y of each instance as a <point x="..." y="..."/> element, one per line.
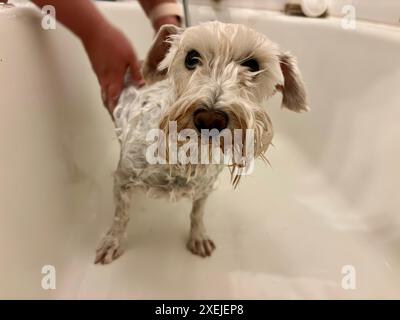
<point x="249" y="131"/>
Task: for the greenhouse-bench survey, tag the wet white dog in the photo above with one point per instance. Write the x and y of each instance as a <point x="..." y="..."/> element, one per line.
<point x="213" y="76"/>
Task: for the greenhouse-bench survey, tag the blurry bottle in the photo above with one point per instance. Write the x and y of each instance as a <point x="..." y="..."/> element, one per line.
<point x="308" y="8"/>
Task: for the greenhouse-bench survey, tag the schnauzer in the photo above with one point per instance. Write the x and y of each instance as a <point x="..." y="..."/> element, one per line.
<point x="209" y="77"/>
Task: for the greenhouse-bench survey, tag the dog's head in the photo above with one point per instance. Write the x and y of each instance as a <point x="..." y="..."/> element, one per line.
<point x="220" y="74"/>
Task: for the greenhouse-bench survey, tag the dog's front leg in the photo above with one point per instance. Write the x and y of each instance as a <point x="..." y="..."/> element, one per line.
<point x="111" y="246"/>
<point x="199" y="243"/>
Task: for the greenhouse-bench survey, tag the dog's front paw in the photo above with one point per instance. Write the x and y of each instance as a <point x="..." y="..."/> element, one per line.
<point x="109" y="249"/>
<point x="201" y="246"/>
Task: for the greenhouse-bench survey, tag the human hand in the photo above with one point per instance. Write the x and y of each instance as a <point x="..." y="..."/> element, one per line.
<point x="111" y="56"/>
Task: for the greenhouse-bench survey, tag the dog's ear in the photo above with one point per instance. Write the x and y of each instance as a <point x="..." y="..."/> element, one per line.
<point x="158" y="50"/>
<point x="293" y="89"/>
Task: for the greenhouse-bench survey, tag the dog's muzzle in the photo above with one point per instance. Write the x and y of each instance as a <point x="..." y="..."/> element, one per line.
<point x="210" y="119"/>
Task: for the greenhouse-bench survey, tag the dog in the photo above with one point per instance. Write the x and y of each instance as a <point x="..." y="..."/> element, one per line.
<point x="213" y="76"/>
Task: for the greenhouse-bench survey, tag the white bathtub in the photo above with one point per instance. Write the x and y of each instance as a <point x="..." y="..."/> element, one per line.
<point x="331" y="198"/>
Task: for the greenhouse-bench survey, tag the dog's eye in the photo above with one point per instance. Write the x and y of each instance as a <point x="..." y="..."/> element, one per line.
<point x="252" y="64"/>
<point x="192" y="59"/>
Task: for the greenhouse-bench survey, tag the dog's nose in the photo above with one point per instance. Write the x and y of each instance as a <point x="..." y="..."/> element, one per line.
<point x="210" y="119"/>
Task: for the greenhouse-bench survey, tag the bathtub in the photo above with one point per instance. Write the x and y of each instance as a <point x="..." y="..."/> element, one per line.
<point x="322" y="222"/>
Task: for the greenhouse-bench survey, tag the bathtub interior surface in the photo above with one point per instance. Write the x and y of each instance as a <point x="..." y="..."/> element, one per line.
<point x="329" y="199"/>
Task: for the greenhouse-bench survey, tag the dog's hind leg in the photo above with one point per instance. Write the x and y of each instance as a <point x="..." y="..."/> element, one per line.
<point x="111" y="246"/>
<point x="199" y="243"/>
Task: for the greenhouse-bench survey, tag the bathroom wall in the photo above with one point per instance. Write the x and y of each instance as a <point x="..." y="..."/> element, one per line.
<point x="387" y="11"/>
